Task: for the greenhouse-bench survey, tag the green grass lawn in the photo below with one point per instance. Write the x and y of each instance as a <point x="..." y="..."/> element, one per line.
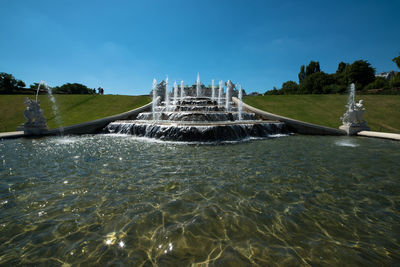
<point x="382" y="111"/>
<point x="72" y="109"/>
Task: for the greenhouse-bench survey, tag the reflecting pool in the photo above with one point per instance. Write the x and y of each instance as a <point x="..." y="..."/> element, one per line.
<point x="119" y="200"/>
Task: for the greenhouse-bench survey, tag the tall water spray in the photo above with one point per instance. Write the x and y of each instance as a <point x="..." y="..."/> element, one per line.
<point x="166" y="94"/>
<point x="182" y="90"/>
<point x="53" y="105"/>
<point x="227" y="94"/>
<point x="175" y="93"/>
<point x="212" y="91"/>
<point x="38" y="88"/>
<point x="240" y="102"/>
<point x="351" y="98"/>
<point x="198" y="85"/>
<point x="154" y="103"/>
<point x="220" y="91"/>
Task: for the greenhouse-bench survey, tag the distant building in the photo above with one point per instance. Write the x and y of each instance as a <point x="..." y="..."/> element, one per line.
<point x="387" y="75"/>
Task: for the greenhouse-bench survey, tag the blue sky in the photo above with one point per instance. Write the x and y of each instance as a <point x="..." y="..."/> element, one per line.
<point x="122" y="45"/>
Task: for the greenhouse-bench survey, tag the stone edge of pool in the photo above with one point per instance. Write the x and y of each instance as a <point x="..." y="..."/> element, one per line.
<point x="296" y="126"/>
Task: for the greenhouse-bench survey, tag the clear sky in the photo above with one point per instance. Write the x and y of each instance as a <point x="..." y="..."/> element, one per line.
<point x="122" y="45"/>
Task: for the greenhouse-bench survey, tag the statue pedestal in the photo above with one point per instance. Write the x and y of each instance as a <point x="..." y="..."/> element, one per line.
<point x="32" y="130"/>
<point x="354" y="129"/>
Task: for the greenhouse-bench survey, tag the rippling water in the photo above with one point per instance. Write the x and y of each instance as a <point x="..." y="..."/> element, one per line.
<point x="117" y="200"/>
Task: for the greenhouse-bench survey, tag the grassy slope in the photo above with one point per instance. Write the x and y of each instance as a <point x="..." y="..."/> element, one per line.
<point x="72" y="109"/>
<point x="382" y="111"/>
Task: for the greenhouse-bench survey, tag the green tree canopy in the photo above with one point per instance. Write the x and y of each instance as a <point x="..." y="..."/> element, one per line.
<point x="397" y="61"/>
<point x="360" y="72"/>
<point x="73" y="88"/>
<point x="314" y="83"/>
<point x="8" y="83"/>
<point x="313" y="67"/>
<point x="379" y="83"/>
<point x="302" y="74"/>
<point x="290" y="87"/>
<point x="341" y="67"/>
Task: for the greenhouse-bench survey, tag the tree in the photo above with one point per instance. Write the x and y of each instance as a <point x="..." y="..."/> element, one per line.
<point x="395" y="81"/>
<point x="341" y="67"/>
<point x="397" y="61"/>
<point x="73" y="88"/>
<point x="379" y="83"/>
<point x="313" y="67"/>
<point x="274" y="91"/>
<point x="290" y="87"/>
<point x="8" y="84"/>
<point x="302" y="74"/>
<point x="360" y="72"/>
<point x="314" y="83"/>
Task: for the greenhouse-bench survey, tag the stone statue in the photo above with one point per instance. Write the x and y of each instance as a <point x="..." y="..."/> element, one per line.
<point x="35" y="121"/>
<point x="352" y="120"/>
<point x="353" y="116"/>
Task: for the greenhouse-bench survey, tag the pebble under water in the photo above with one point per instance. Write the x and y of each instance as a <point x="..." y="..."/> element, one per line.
<point x="119" y="200"/>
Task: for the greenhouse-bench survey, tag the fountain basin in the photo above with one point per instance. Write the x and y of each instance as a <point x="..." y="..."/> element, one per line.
<point x="196" y="116"/>
<point x="199" y="131"/>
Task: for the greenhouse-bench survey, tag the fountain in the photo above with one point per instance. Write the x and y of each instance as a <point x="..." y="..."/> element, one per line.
<point x="175" y="93"/>
<point x="198" y="85"/>
<point x="352" y="120"/>
<point x="166" y="94"/>
<point x="35" y="121"/>
<point x="154" y="102"/>
<point x="198" y="119"/>
<point x="182" y="90"/>
<point x="54" y="108"/>
<point x="228" y="95"/>
<point x="220" y="92"/>
<point x="212" y="91"/>
<point x="240" y="104"/>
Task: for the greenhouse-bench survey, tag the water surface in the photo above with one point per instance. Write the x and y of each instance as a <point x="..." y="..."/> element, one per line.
<point x="119" y="200"/>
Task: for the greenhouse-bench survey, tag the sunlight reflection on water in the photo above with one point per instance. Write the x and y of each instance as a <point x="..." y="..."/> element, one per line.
<point x="106" y="199"/>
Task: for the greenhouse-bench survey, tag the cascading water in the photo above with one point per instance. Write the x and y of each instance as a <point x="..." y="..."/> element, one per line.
<point x="240" y="104"/>
<point x="154" y="103"/>
<point x="220" y="92"/>
<point x="182" y="90"/>
<point x="198" y="85"/>
<point x="212" y="91"/>
<point x="166" y="94"/>
<point x="175" y="93"/>
<point x="227" y="94"/>
<point x="199" y="119"/>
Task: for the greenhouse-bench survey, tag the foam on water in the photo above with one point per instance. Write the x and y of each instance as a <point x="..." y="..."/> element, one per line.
<point x="347" y="142"/>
